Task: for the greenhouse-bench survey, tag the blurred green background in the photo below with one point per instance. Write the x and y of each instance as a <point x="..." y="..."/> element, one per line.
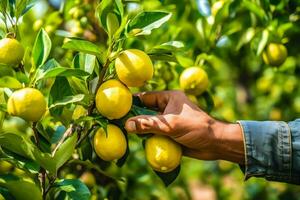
<point x="226" y="38"/>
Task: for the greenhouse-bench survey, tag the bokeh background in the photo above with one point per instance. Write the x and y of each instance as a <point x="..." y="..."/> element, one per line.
<point x="226" y="38"/>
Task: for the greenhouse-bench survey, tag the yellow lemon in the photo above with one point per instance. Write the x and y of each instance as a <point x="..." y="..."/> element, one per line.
<point x="78" y="112"/>
<point x="275" y="54"/>
<point x="88" y="179"/>
<point x="27" y="103"/>
<point x="111" y="145"/>
<point x="194" y="80"/>
<point x="134" y="67"/>
<point x="162" y="153"/>
<point x="5" y="167"/>
<point x="11" y="52"/>
<point x="113" y="99"/>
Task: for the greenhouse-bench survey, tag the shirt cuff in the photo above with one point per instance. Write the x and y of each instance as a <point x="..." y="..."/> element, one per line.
<point x="268" y="150"/>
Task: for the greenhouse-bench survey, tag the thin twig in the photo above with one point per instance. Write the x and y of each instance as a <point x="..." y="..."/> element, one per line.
<point x="85" y="135"/>
<point x="67" y="133"/>
<point x="36" y="134"/>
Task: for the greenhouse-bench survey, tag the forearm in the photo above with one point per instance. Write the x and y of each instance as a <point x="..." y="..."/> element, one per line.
<point x="229" y="143"/>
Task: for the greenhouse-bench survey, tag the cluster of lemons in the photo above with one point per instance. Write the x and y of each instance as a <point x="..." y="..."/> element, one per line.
<point x="114" y="100"/>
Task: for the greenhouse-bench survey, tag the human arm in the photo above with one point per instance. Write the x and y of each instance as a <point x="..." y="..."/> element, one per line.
<point x="271" y="150"/>
<point x="200" y="135"/>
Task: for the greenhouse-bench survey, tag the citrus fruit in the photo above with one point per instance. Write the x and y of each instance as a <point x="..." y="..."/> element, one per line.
<point x="162" y="153"/>
<point x="113" y="99"/>
<point x="27" y="103"/>
<point x="194" y="80"/>
<point x="78" y="112"/>
<point x="11" y="52"/>
<point x="88" y="179"/>
<point x="5" y="166"/>
<point x="134" y="67"/>
<point x="110" y="145"/>
<point x="275" y="54"/>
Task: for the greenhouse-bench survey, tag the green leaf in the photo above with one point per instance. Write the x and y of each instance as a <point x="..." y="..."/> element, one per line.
<point x="85" y="150"/>
<point x="9" y="82"/>
<point x="17" y="144"/>
<point x="62" y="71"/>
<point x="162" y="56"/>
<point x="263" y="42"/>
<point x="256" y="9"/>
<point x="41" y="48"/>
<point x="203" y="7"/>
<point x="59" y="90"/>
<point x="168" y="47"/>
<point x="209" y="101"/>
<point x="106" y="7"/>
<point x="65" y="151"/>
<point x="20" y="189"/>
<point x="246" y="37"/>
<point x="136" y="110"/>
<point x="5" y="193"/>
<point x="74" y="188"/>
<point x="169" y="177"/>
<point x="24" y="147"/>
<point x="19" y="161"/>
<point x="82" y="46"/>
<point x="85" y="62"/>
<point x="102" y="122"/>
<point x="145" y="22"/>
<point x="112" y="23"/>
<point x="67" y="100"/>
<point x="58" y="134"/>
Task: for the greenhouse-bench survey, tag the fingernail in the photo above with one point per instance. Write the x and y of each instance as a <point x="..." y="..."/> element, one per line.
<point x="130" y="126"/>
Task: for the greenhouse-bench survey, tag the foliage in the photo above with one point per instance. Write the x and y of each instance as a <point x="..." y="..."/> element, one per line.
<point x="71" y="50"/>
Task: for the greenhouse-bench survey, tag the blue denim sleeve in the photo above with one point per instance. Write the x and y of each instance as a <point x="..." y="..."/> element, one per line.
<point x="272" y="150"/>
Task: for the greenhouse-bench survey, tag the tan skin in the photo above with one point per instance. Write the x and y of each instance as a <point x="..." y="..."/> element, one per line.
<point x="201" y="136"/>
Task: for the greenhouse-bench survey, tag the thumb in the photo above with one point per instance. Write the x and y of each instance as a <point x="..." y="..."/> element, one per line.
<point x="148" y="124"/>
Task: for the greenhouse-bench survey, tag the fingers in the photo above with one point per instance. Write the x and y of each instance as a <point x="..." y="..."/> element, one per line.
<point x="148" y="124"/>
<point x="155" y="99"/>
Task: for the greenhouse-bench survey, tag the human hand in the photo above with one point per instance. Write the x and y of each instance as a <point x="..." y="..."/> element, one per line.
<point x="200" y="135"/>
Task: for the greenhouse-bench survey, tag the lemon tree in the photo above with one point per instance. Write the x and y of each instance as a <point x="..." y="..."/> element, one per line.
<point x="69" y="71"/>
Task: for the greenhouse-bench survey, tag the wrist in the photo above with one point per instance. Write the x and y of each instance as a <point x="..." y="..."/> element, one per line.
<point x="229" y="142"/>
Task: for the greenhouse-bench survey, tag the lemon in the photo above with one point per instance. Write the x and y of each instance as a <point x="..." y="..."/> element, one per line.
<point x="27" y="103"/>
<point x="88" y="179"/>
<point x="5" y="166"/>
<point x="194" y="80"/>
<point x="78" y="112"/>
<point x="11" y="52"/>
<point x="275" y="54"/>
<point x="162" y="153"/>
<point x="113" y="99"/>
<point x="134" y="67"/>
<point x="111" y="145"/>
<point x="70" y="176"/>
